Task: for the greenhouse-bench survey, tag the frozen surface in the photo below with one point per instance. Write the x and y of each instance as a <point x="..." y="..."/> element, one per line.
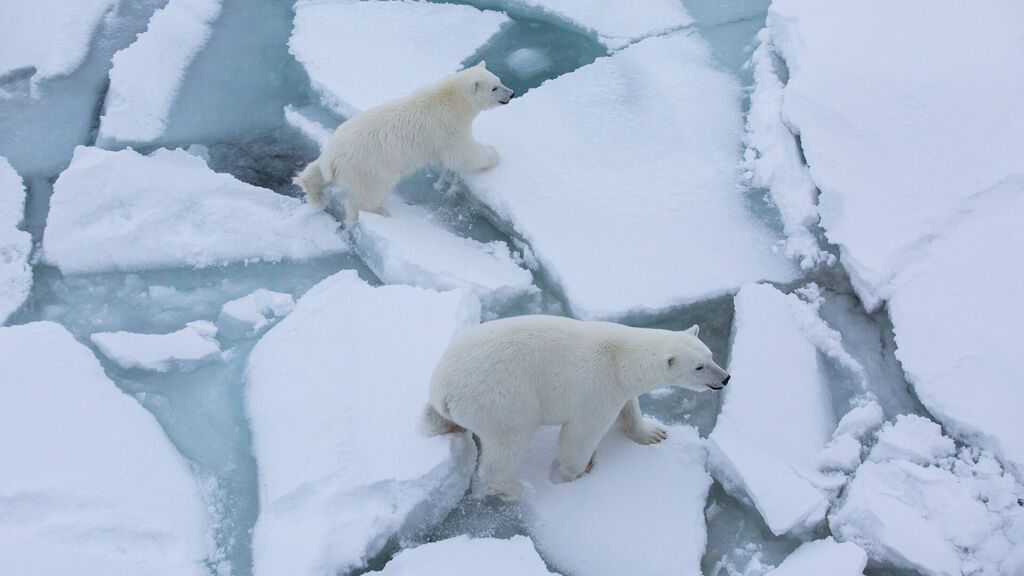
<point x="911" y="438"/>
<point x="774" y="460"/>
<point x="335" y="393"/>
<point x="653" y="496"/>
<point x="632" y="205"/>
<point x="821" y="557"/>
<point x="409" y="248"/>
<point x="465" y="556"/>
<point x="253" y="313"/>
<point x="389" y="48"/>
<point x="47" y="37"/>
<point x="308" y="127"/>
<point x="15" y="245"/>
<point x="192" y="345"/>
<point x="125" y="211"/>
<point x="91" y="485"/>
<point x="844" y="452"/>
<point x="526" y="62"/>
<point x="146" y="76"/>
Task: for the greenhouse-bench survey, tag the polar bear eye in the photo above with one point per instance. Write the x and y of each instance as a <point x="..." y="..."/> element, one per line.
<point x="671" y="360"/>
<point x="495" y="89"/>
<point x="700" y="367"/>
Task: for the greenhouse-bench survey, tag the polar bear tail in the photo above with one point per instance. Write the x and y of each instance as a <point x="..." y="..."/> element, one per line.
<point x="434" y="424"/>
<point x="312" y="181"/>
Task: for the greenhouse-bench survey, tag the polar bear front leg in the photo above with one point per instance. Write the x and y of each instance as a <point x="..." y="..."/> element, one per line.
<point x="468" y="155"/>
<point x="576" y="445"/>
<point x="500" y="456"/>
<point x="639" y="430"/>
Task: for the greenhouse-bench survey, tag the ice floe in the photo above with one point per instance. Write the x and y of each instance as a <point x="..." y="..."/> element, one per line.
<point x="465" y="556"/>
<point x="822" y="557"/>
<point x="181" y="350"/>
<point x="15" y="244"/>
<point x="253" y="313"/>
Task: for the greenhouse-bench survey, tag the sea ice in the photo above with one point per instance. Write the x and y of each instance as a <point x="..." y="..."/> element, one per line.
<point x="640" y="161"/>
<point x="15" y="245"/>
<point x="822" y="557"/>
<point x="465" y="556"/>
<point x="125" y="211"/>
<point x="250" y="315"/>
<point x="911" y="438"/>
<point x="316" y="132"/>
<point x="389" y="48"/>
<point x="91" y="484"/>
<point x="182" y="350"/>
<point x="658" y="491"/>
<point x="335" y="393"/>
<point x="526" y="62"/>
<point x="146" y="76"/>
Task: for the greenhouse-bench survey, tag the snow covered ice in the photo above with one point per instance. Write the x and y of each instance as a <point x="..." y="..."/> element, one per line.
<point x="464" y="556"/>
<point x="15" y="244"/>
<point x="823" y="557"/>
<point x="252" y="314"/>
<point x="184" y="349"/>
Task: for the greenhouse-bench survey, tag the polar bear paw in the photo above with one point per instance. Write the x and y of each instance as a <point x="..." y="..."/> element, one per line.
<point x="645" y="433"/>
<point x="509" y="490"/>
<point x="491" y="159"/>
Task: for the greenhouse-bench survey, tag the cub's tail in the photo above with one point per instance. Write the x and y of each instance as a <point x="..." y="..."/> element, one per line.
<point x="312" y="181"/>
<point x="434" y="424"/>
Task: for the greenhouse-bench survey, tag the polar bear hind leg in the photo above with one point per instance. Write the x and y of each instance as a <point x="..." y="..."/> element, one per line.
<point x="500" y="456"/>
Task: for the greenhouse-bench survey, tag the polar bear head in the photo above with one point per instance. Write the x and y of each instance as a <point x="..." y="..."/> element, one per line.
<point x="687" y="363"/>
<point x="484" y="88"/>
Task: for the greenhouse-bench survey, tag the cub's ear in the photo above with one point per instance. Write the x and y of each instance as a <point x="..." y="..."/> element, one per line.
<point x="693" y="330"/>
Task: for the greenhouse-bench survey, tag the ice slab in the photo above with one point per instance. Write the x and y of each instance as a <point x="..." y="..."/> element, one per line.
<point x="526" y="62"/>
<point x="125" y="211"/>
<point x="253" y="313"/>
<point x="390" y="48"/>
<point x="662" y="487"/>
<point x="91" y="484"/>
<point x="824" y="556"/>
<point x="15" y="244"/>
<point x="911" y="438"/>
<point x="409" y="248"/>
<point x="147" y="75"/>
<point x="308" y="127"/>
<point x="47" y="38"/>
<point x="465" y="556"/>
<point x="182" y="350"/>
<point x="651" y="193"/>
<point x="774" y="366"/>
<point x="335" y="392"/>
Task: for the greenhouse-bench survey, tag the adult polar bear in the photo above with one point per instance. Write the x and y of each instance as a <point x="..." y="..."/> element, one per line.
<point x="369" y="154"/>
<point x="503" y="379"/>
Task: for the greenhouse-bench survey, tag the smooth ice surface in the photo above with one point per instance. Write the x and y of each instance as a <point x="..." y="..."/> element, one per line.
<point x="47" y="37"/>
<point x="253" y="313"/>
<point x="389" y="48"/>
<point x="146" y="76"/>
<point x="632" y="204"/>
<point x="183" y="349"/>
<point x="334" y="397"/>
<point x="653" y="495"/>
<point x="15" y="244"/>
<point x="465" y="556"/>
<point x="822" y="557"/>
<point x="409" y="248"/>
<point x="774" y="367"/>
<point x="125" y="211"/>
<point x="91" y="485"/>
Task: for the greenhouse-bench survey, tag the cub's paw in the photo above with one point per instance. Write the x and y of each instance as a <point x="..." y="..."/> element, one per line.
<point x="647" y="433"/>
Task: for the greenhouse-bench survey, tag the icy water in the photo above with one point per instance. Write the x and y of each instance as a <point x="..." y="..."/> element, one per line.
<point x="235" y="111"/>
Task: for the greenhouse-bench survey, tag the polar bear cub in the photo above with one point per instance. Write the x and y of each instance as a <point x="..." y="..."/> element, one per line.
<point x="368" y="155"/>
<point x="503" y="379"/>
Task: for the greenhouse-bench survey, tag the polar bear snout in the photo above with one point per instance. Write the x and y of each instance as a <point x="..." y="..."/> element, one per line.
<point x="725" y="382"/>
<point x="508" y="97"/>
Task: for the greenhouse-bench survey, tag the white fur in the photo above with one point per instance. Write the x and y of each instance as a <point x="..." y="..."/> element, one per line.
<point x="369" y="154"/>
<point x="503" y="379"/>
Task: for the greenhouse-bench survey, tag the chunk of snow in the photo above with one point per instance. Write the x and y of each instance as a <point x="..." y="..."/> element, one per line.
<point x="316" y="132"/>
<point x="91" y="484"/>
<point x="335" y="393"/>
<point x="860" y="420"/>
<point x="842" y="454"/>
<point x="912" y="438"/>
<point x="408" y="248"/>
<point x="659" y="491"/>
<point x="125" y="211"/>
<point x="465" y="556"/>
<point x="390" y="48"/>
<point x="15" y="245"/>
<point x="48" y="37"/>
<point x="774" y="366"/>
<point x="250" y="315"/>
<point x="146" y="76"/>
<point x="527" y="62"/>
<point x="651" y="192"/>
<point x="824" y="556"/>
<point x="181" y="350"/>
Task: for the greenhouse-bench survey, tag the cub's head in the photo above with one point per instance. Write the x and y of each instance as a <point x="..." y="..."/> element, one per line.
<point x="484" y="88"/>
<point x="687" y="363"/>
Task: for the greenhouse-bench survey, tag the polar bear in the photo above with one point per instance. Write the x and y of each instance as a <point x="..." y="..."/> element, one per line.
<point x="369" y="154"/>
<point x="503" y="379"/>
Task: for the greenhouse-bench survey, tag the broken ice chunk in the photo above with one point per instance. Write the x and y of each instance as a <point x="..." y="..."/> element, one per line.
<point x="911" y="438"/>
<point x="15" y="245"/>
<point x="528" y="62"/>
<point x="182" y="350"/>
<point x="250" y="315"/>
<point x="465" y="556"/>
<point x="822" y="557"/>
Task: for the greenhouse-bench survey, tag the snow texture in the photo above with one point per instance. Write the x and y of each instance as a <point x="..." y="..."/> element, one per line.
<point x="15" y="245"/>
<point x="390" y="48"/>
<point x="465" y="556"/>
<point x="91" y="484"/>
<point x="250" y="315"/>
<point x="182" y="350"/>
<point x="821" y="557"/>
<point x="409" y="248"/>
<point x="47" y="38"/>
<point x="147" y="75"/>
<point x="911" y="438"/>
<point x="660" y="490"/>
<point x="335" y="393"/>
<point x="655" y="215"/>
<point x="125" y="211"/>
<point x="775" y="461"/>
<point x="843" y="453"/>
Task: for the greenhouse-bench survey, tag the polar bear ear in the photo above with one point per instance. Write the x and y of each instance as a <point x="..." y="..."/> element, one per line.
<point x="693" y="330"/>
<point x="482" y="64"/>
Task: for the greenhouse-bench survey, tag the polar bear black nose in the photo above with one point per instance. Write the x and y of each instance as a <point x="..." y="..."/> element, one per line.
<point x="726" y="381"/>
<point x="511" y="94"/>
